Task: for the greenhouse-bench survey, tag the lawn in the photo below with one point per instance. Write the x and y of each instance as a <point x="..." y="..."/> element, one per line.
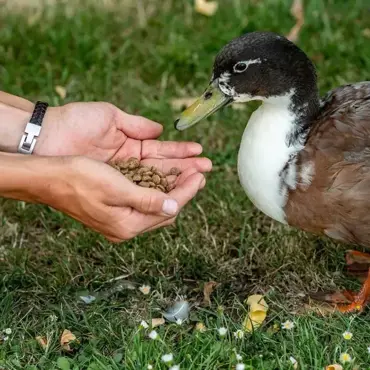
<point x="140" y="55"/>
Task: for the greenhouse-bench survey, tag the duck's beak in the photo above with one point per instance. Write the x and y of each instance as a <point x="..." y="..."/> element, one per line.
<point x="211" y="101"/>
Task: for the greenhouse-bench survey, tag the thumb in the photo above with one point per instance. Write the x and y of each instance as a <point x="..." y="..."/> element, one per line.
<point x="150" y="201"/>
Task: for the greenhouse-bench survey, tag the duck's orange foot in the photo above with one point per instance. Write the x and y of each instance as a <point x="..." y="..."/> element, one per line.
<point x="360" y="300"/>
<point x="358" y="264"/>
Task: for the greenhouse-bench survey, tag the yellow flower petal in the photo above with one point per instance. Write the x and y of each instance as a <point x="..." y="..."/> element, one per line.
<point x="257" y="312"/>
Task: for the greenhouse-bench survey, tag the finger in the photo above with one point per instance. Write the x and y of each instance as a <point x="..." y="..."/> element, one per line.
<point x="138" y="127"/>
<point x="170" y="149"/>
<point x="165" y="165"/>
<point x="183" y="193"/>
<point x="151" y="201"/>
<point x="168" y="222"/>
<point x="187" y="189"/>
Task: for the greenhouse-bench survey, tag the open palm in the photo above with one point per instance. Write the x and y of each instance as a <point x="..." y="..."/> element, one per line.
<point x="103" y="132"/>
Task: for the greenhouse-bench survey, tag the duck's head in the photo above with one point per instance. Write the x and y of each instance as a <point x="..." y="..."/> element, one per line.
<point x="256" y="66"/>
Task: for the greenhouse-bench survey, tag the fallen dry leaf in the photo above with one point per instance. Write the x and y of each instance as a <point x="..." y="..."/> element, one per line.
<point x="257" y="312"/>
<point x="297" y="12"/>
<point x="207" y="8"/>
<point x="334" y="367"/>
<point x="42" y="341"/>
<point x="66" y="338"/>
<point x="181" y="103"/>
<point x="157" y="322"/>
<point x="61" y="91"/>
<point x="366" y="32"/>
<point x="207" y="291"/>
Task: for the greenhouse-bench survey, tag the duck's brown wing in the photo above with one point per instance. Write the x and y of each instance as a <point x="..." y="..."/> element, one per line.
<point x="333" y="190"/>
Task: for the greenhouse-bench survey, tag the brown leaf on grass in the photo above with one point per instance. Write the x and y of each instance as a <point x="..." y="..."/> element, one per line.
<point x="66" y="338"/>
<point x="298" y="13"/>
<point x="181" y="103"/>
<point x="207" y="8"/>
<point x="157" y="322"/>
<point x="42" y="341"/>
<point x="207" y="291"/>
<point x="61" y="91"/>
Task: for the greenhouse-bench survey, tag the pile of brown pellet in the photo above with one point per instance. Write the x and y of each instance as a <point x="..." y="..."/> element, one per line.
<point x="147" y="177"/>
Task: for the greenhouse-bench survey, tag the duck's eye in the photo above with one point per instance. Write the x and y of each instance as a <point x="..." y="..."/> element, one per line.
<point x="240" y="67"/>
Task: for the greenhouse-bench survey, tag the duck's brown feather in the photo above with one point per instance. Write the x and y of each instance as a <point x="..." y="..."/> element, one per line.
<point x="337" y="154"/>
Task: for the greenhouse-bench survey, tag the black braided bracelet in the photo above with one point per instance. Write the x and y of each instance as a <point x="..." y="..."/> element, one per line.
<point x="33" y="128"/>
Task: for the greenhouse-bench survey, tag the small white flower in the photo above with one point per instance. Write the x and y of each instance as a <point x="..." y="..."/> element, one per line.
<point x="144" y="324"/>
<point x="222" y="331"/>
<point x="347" y="335"/>
<point x="179" y="321"/>
<point x="145" y="289"/>
<point x="238" y="357"/>
<point x="239" y="334"/>
<point x="153" y="335"/>
<point x="167" y="358"/>
<point x="294" y="362"/>
<point x="5" y="338"/>
<point x="240" y="367"/>
<point x="174" y="367"/>
<point x="8" y="331"/>
<point x="345" y="357"/>
<point x="200" y="327"/>
<point x="149" y="367"/>
<point x="368" y="349"/>
<point x="53" y="318"/>
<point x="287" y="325"/>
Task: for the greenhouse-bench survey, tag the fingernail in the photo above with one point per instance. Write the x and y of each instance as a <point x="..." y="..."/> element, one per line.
<point x="203" y="183"/>
<point x="170" y="207"/>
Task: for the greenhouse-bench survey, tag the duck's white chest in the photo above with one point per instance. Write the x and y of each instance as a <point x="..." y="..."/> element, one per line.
<point x="263" y="155"/>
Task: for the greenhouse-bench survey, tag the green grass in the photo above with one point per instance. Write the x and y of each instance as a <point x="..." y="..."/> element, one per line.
<point x="46" y="259"/>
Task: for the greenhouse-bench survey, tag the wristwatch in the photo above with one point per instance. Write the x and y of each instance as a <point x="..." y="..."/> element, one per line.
<point x="33" y="128"/>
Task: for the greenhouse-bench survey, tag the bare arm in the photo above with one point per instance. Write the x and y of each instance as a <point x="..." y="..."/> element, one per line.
<point x="15" y="113"/>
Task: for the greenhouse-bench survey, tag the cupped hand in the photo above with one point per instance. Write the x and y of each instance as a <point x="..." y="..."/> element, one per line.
<point x="105" y="133"/>
<point x="103" y="199"/>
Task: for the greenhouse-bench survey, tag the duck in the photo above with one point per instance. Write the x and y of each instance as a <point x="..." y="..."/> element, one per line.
<point x="303" y="160"/>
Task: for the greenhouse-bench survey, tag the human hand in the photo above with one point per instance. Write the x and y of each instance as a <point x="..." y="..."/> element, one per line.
<point x="103" y="132"/>
<point x="103" y="199"/>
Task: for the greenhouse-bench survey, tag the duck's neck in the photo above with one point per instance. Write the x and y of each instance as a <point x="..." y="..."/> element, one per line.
<point x="275" y="133"/>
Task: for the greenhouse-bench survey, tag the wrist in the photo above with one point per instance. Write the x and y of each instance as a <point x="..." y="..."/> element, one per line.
<point x="13" y="121"/>
<point x="15" y="113"/>
<point x="30" y="178"/>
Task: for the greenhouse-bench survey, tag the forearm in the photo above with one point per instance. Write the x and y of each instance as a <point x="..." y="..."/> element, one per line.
<point x="29" y="178"/>
<point x="15" y="113"/>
